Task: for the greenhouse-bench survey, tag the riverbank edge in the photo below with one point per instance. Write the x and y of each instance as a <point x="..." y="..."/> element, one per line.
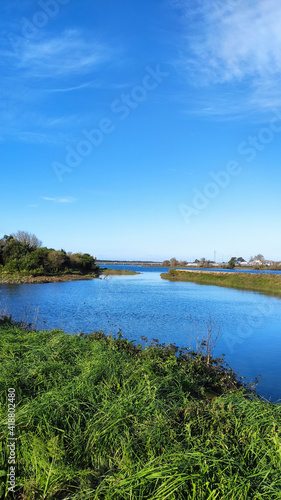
<point x="31" y="279"/>
<point x="256" y="282"/>
<point x="17" y="279"/>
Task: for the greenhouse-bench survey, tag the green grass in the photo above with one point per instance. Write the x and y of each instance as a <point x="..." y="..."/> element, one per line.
<point x="101" y="418"/>
<point x="267" y="283"/>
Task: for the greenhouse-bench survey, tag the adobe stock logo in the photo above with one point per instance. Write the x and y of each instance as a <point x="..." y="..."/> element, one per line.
<point x="249" y="148"/>
<point x="255" y="318"/>
<point x="211" y="190"/>
<point x="30" y="27"/>
<point x="122" y="108"/>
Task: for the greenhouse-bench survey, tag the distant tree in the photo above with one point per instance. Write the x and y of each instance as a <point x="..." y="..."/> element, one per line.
<point x="240" y="259"/>
<point x="258" y="261"/>
<point x="30" y="240"/>
<point x="166" y="263"/>
<point x="232" y="263"/>
<point x="259" y="256"/>
<point x="182" y="263"/>
<point x="174" y="262"/>
<point x="204" y="263"/>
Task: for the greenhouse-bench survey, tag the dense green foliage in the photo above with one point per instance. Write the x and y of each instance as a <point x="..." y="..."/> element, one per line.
<point x="267" y="283"/>
<point x="100" y="418"/>
<point x="26" y="257"/>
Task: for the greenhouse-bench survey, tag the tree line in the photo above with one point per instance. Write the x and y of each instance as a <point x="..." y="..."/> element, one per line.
<point x="233" y="262"/>
<point x="173" y="262"/>
<point x="23" y="252"/>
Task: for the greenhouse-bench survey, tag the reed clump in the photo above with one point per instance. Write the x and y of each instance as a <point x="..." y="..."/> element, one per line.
<point x="99" y="417"/>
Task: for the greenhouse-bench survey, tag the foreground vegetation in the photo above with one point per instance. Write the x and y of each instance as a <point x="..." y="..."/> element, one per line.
<point x="22" y="257"/>
<point x="267" y="283"/>
<point x="99" y="417"/>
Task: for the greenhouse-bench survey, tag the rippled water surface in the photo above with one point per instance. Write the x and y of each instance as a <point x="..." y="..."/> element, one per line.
<point x="146" y="305"/>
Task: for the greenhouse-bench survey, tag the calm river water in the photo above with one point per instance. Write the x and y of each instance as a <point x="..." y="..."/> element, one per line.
<point x="146" y="305"/>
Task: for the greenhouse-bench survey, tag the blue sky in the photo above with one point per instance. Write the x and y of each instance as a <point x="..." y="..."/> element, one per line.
<point x="142" y="130"/>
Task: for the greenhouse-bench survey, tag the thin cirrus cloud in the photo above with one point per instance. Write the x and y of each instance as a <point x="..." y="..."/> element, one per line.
<point x="67" y="199"/>
<point x="68" y="54"/>
<point x="59" y="63"/>
<point x="97" y="84"/>
<point x="71" y="89"/>
<point x="236" y="42"/>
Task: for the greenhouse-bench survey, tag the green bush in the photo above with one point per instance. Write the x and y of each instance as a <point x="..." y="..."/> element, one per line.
<point x="12" y="266"/>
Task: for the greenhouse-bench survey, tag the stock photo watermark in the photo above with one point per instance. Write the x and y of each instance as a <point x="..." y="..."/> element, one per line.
<point x="221" y="179"/>
<point x="247" y="325"/>
<point x="215" y="5"/>
<point x="11" y="440"/>
<point x="121" y="108"/>
<point x="30" y="27"/>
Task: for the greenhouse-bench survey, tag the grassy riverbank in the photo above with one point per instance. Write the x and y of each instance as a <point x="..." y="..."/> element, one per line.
<point x="100" y="418"/>
<point x="267" y="283"/>
<point x="21" y="278"/>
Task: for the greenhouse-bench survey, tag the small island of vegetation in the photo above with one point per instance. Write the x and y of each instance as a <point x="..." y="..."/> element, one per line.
<point x="24" y="260"/>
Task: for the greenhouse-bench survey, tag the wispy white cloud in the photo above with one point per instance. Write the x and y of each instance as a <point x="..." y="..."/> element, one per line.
<point x="70" y="89"/>
<point x="96" y="84"/>
<point x="67" y="199"/>
<point x="43" y="66"/>
<point x="68" y="54"/>
<point x="234" y="42"/>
